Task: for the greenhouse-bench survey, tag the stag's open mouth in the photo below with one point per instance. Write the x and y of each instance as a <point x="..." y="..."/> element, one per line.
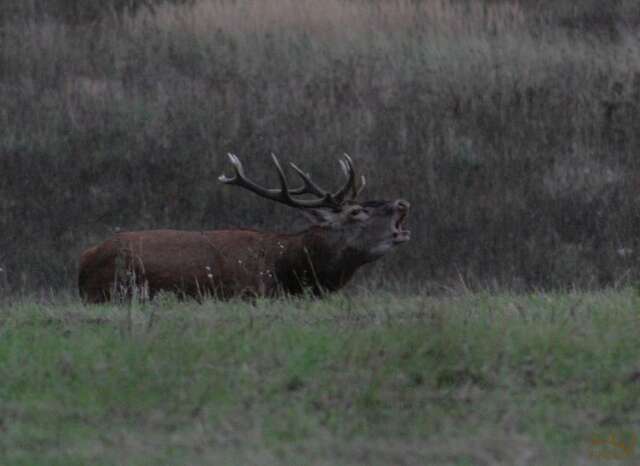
<point x="400" y="233"/>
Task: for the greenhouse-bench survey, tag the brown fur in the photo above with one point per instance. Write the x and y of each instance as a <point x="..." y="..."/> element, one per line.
<point x="222" y="263"/>
<point x="226" y="263"/>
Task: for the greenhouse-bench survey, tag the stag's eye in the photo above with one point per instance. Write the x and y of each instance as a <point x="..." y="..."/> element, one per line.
<point x="357" y="211"/>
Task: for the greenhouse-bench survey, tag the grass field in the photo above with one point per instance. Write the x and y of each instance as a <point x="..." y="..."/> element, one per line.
<point x="511" y="126"/>
<point x="464" y="379"/>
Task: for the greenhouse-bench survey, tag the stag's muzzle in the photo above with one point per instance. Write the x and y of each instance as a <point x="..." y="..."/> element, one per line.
<point x="401" y="211"/>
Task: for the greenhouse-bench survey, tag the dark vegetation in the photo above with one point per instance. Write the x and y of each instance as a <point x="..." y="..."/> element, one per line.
<point x="511" y="127"/>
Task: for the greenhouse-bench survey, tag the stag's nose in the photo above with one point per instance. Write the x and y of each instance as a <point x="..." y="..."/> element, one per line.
<point x="402" y="205"/>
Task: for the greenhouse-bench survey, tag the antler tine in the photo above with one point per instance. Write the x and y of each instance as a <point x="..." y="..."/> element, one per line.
<point x="282" y="195"/>
<point x="347" y="167"/>
<point x="309" y="186"/>
<point x="326" y="199"/>
<point x="239" y="179"/>
<point x="237" y="168"/>
<point x="357" y="190"/>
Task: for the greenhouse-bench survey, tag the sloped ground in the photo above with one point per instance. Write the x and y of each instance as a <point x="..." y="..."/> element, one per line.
<point x="511" y="126"/>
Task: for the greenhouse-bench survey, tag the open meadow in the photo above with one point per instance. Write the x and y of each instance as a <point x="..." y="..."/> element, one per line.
<point x="511" y="126"/>
<point x="373" y="378"/>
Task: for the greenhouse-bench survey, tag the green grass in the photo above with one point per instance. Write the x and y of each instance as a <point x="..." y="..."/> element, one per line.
<point x="372" y="379"/>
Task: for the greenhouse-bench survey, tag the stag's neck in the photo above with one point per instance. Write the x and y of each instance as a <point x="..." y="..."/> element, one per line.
<point x="317" y="259"/>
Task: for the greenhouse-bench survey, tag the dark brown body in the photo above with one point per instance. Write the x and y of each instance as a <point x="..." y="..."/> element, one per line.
<point x="220" y="263"/>
<point x="223" y="263"/>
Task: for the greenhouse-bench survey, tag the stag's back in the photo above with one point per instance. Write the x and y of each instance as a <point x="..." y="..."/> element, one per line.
<point x="189" y="262"/>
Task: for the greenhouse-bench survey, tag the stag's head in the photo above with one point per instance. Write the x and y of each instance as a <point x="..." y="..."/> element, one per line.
<point x="366" y="230"/>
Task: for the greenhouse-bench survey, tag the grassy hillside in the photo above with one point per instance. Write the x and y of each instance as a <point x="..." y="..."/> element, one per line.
<point x="511" y="126"/>
<point x="374" y="379"/>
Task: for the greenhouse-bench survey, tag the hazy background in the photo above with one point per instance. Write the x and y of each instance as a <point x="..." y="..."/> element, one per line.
<point x="512" y="127"/>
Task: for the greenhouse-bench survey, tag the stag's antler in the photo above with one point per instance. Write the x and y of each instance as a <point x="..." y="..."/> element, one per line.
<point x="283" y="195"/>
<point x="350" y="173"/>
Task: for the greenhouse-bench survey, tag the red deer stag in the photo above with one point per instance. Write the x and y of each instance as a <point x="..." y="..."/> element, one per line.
<point x="224" y="263"/>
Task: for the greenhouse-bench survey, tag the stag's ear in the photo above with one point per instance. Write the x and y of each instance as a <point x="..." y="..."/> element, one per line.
<point x="320" y="216"/>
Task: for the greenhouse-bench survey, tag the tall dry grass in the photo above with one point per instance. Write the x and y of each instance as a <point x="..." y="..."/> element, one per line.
<point x="511" y="126"/>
